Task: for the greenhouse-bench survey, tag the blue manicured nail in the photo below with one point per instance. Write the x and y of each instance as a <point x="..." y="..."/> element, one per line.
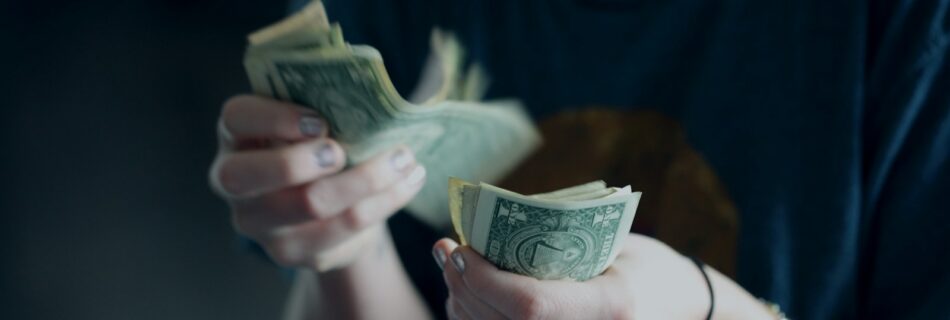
<point x="311" y="126"/>
<point x="439" y="256"/>
<point x="458" y="261"/>
<point x="326" y="155"/>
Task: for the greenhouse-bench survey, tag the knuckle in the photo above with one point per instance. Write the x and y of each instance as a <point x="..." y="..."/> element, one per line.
<point x="315" y="199"/>
<point x="356" y="218"/>
<point x="621" y="311"/>
<point x="232" y="107"/>
<point x="304" y="202"/>
<point x="225" y="175"/>
<point x="531" y="305"/>
<point x="234" y="104"/>
<point x="282" y="252"/>
<point x="284" y="166"/>
<point x="240" y="224"/>
<point x="368" y="178"/>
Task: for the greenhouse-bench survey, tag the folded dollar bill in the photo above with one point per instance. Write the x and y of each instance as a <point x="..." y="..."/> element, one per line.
<point x="573" y="233"/>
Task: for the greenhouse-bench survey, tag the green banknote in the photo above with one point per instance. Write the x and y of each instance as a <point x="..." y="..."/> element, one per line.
<point x="305" y="59"/>
<point x="573" y="233"/>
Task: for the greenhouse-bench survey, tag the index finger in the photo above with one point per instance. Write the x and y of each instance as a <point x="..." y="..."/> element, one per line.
<point x="523" y="297"/>
<point x="511" y="294"/>
<point x="246" y="117"/>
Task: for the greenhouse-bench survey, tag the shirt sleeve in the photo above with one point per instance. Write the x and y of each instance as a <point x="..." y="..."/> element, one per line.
<point x="905" y="270"/>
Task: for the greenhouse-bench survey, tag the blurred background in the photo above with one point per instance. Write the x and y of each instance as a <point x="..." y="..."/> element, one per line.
<point x="109" y="130"/>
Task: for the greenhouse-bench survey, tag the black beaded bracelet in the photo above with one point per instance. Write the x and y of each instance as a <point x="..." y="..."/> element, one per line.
<point x="712" y="297"/>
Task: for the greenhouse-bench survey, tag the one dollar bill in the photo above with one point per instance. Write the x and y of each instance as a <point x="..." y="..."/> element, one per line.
<point x="573" y="233"/>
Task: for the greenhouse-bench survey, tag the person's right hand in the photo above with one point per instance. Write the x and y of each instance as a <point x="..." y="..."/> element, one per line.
<point x="282" y="176"/>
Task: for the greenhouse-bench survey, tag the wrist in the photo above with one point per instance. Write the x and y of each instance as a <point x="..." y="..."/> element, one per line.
<point x="723" y="298"/>
<point x="734" y="302"/>
<point x="374" y="285"/>
<point x="365" y="247"/>
<point x="706" y="313"/>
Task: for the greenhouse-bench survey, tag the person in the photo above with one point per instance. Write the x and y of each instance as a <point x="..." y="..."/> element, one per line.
<point x="827" y="123"/>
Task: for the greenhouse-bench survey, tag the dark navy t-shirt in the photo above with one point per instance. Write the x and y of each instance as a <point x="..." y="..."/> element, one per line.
<point x="827" y="121"/>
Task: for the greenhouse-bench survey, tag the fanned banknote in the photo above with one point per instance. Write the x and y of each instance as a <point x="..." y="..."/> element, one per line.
<point x="573" y="233"/>
<point x="305" y="59"/>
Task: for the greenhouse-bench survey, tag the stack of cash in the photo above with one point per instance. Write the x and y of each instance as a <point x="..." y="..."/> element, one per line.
<point x="305" y="59"/>
<point x="573" y="233"/>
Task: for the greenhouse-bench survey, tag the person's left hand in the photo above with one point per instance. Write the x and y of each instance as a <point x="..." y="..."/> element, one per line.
<point x="648" y="280"/>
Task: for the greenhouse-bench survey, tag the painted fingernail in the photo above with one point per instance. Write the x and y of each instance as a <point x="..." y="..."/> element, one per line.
<point x="326" y="155"/>
<point x="417" y="175"/>
<point x="458" y="261"/>
<point x="311" y="126"/>
<point x="400" y="160"/>
<point x="439" y="256"/>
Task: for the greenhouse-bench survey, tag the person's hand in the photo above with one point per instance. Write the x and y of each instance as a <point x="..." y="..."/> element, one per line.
<point x="648" y="280"/>
<point x="282" y="176"/>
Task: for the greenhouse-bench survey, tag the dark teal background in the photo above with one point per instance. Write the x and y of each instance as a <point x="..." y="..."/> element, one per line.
<point x="109" y="111"/>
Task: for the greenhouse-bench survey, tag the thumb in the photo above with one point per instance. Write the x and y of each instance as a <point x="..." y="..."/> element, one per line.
<point x="511" y="294"/>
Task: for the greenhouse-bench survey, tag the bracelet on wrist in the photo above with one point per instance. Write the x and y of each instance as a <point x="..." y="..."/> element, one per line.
<point x="712" y="297"/>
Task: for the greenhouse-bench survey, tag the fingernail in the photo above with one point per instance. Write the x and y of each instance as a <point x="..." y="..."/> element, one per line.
<point x="459" y="262"/>
<point x="400" y="160"/>
<point x="416" y="176"/>
<point x="311" y="126"/>
<point x="326" y="155"/>
<point x="439" y="256"/>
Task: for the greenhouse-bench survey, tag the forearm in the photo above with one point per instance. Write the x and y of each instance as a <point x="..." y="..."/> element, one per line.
<point x="374" y="287"/>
